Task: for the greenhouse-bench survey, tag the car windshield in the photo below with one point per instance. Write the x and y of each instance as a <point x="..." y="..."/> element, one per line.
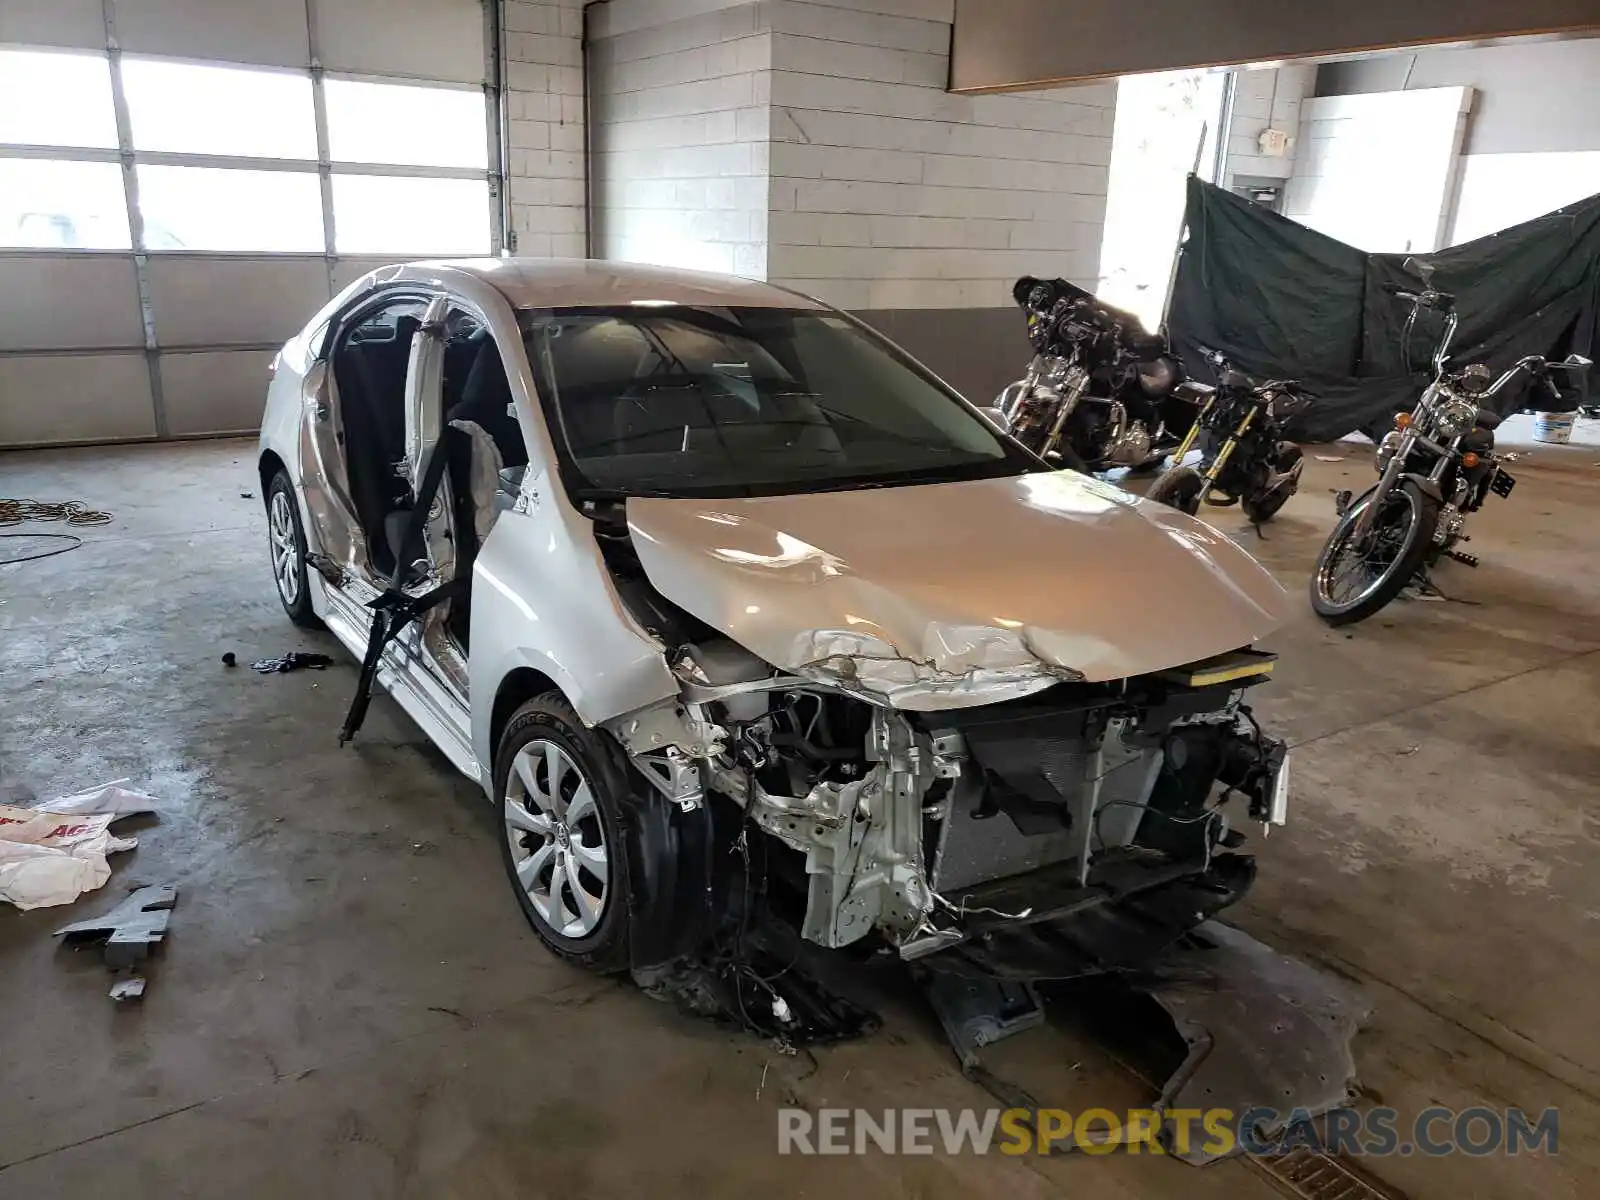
<point x="690" y="401"/>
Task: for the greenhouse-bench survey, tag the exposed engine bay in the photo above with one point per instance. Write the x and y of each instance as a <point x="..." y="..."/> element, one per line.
<point x="910" y="824"/>
<point x="1034" y="815"/>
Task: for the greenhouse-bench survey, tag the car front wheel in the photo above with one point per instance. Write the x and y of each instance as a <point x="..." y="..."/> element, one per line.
<point x="564" y="840"/>
<point x="286" y="541"/>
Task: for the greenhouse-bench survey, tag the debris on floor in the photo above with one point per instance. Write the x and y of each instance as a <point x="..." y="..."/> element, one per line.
<point x="294" y="660"/>
<point x="757" y="975"/>
<point x="130" y="987"/>
<point x="230" y="659"/>
<point x="762" y="995"/>
<point x="1328" y="458"/>
<point x="51" y="854"/>
<point x="1257" y="1023"/>
<point x="131" y="929"/>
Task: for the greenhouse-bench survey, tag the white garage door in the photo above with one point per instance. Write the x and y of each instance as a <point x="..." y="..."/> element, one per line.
<point x="183" y="182"/>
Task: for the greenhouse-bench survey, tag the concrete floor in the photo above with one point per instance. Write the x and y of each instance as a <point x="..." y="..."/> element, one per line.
<point x="350" y="1004"/>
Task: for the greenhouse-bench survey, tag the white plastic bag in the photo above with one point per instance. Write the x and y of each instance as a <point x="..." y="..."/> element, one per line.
<point x="54" y="853"/>
<point x="107" y="798"/>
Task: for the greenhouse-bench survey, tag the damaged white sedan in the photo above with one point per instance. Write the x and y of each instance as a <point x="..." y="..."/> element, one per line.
<point x="678" y="566"/>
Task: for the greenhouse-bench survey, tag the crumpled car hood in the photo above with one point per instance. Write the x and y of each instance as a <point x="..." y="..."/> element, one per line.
<point x="955" y="594"/>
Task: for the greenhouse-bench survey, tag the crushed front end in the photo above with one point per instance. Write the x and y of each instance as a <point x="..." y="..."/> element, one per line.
<point x="1081" y="828"/>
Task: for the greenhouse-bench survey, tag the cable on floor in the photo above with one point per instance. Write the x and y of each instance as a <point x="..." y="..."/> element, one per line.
<point x="73" y="540"/>
<point x="73" y="512"/>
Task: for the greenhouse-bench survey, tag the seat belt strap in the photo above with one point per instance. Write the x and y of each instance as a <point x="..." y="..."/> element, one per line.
<point x="395" y="609"/>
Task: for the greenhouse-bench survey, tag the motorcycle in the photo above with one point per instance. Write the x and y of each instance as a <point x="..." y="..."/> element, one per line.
<point x="1245" y="458"/>
<point x="1101" y="392"/>
<point x="1435" y="466"/>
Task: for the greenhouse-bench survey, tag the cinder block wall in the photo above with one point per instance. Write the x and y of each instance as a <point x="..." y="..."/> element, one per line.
<point x="1266" y="98"/>
<point x="544" y="127"/>
<point x="681" y="126"/>
<point x="889" y="192"/>
<point x="916" y="208"/>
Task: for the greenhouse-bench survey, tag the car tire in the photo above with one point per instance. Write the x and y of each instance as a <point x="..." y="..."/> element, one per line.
<point x="556" y="845"/>
<point x="286" y="542"/>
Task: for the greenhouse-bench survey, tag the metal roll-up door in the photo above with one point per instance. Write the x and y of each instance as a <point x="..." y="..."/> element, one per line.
<point x="420" y="39"/>
<point x="183" y="182"/>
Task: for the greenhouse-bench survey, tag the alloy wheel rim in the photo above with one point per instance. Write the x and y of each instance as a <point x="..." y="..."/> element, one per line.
<point x="558" y="842"/>
<point x="285" y="553"/>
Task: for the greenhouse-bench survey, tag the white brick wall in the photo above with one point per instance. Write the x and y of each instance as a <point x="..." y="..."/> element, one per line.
<point x="812" y="142"/>
<point x="680" y="92"/>
<point x="544" y="126"/>
<point x="1266" y="98"/>
<point x="889" y="192"/>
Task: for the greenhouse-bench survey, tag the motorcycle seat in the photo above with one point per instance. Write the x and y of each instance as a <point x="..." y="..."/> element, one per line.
<point x="1488" y="418"/>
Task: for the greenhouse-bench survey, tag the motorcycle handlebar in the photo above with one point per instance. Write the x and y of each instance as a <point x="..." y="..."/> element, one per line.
<point x="1438" y="301"/>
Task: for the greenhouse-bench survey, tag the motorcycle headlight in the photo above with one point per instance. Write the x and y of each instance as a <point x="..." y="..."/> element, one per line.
<point x="1454" y="416"/>
<point x="1387" y="450"/>
<point x="1474" y="379"/>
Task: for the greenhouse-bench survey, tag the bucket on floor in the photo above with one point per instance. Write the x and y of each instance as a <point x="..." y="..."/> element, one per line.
<point x="1553" y="427"/>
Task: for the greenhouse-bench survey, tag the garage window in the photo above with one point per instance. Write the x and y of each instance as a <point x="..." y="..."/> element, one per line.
<point x="378" y="214"/>
<point x="47" y="205"/>
<point x="400" y="169"/>
<point x="405" y="125"/>
<point x="59" y="103"/>
<point x="49" y="99"/>
<point x="206" y="208"/>
<point x="188" y="108"/>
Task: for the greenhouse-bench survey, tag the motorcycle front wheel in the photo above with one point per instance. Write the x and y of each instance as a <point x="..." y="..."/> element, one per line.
<point x="1261" y="509"/>
<point x="1180" y="488"/>
<point x="1351" y="581"/>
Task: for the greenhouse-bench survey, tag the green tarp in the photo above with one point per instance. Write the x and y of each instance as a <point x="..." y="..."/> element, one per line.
<point x="1286" y="302"/>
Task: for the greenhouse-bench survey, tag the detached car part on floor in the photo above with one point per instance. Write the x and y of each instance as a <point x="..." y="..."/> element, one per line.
<point x="738" y="614"/>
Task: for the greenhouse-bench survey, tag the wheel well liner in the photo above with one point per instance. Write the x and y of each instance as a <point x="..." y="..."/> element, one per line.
<point x="269" y="466"/>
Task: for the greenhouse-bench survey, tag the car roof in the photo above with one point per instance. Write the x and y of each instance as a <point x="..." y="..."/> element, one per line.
<point x="569" y="282"/>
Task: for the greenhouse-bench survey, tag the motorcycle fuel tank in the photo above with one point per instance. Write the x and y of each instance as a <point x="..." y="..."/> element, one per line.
<point x="955" y="594"/>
